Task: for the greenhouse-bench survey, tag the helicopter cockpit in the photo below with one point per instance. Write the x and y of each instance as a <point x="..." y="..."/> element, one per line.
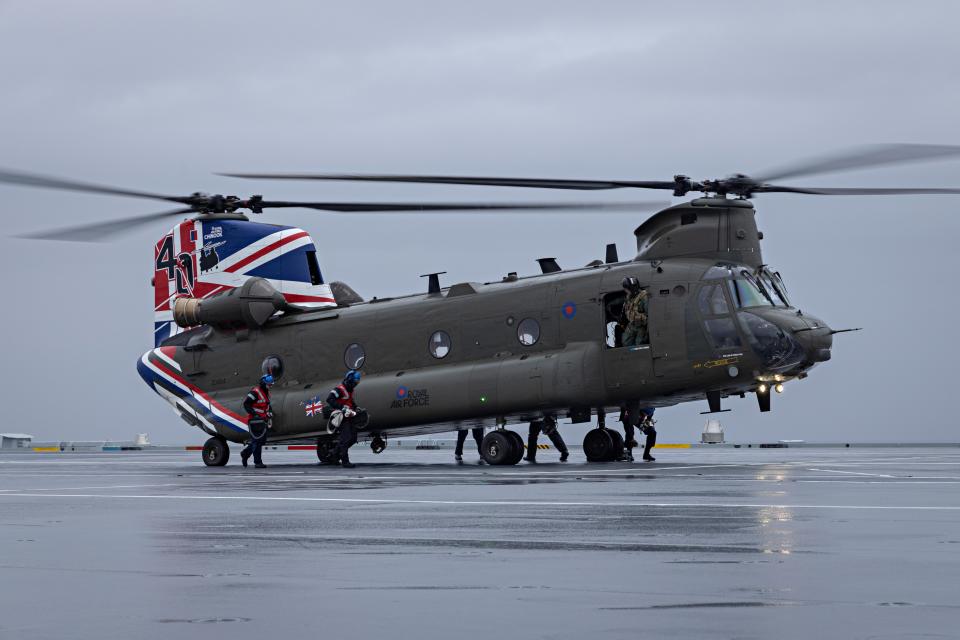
<point x="746" y="309"/>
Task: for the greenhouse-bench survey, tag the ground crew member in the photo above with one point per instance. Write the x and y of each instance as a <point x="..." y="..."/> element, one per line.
<point x="259" y="420"/>
<point x="462" y="437"/>
<point x="549" y="426"/>
<point x="634" y="317"/>
<point x="341" y="397"/>
<point x="632" y="416"/>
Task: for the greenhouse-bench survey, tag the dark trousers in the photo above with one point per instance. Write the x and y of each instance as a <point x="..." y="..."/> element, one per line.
<point x="630" y="416"/>
<point x="462" y="437"/>
<point x="549" y="428"/>
<point x="347" y="438"/>
<point x="254" y="447"/>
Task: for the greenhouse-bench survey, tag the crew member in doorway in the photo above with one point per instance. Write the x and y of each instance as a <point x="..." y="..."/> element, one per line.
<point x="259" y="420"/>
<point x="462" y="437"/>
<point x="633" y="417"/>
<point x="549" y="426"/>
<point x="634" y="318"/>
<point x="341" y="398"/>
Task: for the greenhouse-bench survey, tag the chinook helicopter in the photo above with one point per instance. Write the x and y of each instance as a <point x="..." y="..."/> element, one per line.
<point x="236" y="299"/>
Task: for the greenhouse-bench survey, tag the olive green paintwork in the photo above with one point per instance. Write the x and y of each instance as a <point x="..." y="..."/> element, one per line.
<point x="488" y="376"/>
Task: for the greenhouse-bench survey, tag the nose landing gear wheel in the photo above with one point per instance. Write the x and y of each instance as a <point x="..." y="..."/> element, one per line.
<point x="497" y="447"/>
<point x="216" y="453"/>
<point x="517" y="447"/>
<point x="598" y="446"/>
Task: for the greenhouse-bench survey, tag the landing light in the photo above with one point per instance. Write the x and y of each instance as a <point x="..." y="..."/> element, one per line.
<point x="762" y="388"/>
<point x="779" y="387"/>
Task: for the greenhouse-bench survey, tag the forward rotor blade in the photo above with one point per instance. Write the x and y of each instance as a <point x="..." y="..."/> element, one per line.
<point x="539" y="183"/>
<point x="869" y="156"/>
<point x="856" y="191"/>
<point x="47" y="182"/>
<point x="424" y="207"/>
<point x="102" y="231"/>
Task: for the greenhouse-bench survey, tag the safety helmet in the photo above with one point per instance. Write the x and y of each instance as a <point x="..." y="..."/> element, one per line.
<point x="352" y="377"/>
<point x="267" y="379"/>
<point x="631" y="284"/>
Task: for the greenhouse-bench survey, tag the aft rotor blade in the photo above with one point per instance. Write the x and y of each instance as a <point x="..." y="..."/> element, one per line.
<point x="102" y="231"/>
<point x="47" y="182"/>
<point x="857" y="191"/>
<point x="863" y="157"/>
<point x="431" y="207"/>
<point x="538" y="183"/>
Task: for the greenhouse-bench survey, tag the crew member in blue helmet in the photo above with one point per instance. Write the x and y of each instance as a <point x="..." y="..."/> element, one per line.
<point x="259" y="420"/>
<point x="341" y="399"/>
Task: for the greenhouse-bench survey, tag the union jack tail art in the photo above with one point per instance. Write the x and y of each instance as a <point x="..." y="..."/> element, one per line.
<point x="201" y="258"/>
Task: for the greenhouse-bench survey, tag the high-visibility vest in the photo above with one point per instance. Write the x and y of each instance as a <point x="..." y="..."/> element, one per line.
<point x="261" y="405"/>
<point x="345" y="397"/>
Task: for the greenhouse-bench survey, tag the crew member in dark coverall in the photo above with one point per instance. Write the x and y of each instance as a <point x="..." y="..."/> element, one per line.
<point x="631" y="415"/>
<point x="341" y="397"/>
<point x="462" y="437"/>
<point x="549" y="426"/>
<point x="259" y="418"/>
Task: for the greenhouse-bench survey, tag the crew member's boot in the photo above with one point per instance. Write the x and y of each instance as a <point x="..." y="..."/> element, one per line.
<point x="244" y="456"/>
<point x="345" y="460"/>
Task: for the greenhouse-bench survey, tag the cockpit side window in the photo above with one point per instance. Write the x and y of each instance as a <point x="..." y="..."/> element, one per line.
<point x="712" y="302"/>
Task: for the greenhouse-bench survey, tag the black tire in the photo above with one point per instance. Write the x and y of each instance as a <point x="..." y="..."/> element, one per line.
<point x="497" y="447"/>
<point x="598" y="445"/>
<point x="325" y="447"/>
<point x="216" y="453"/>
<point x="617" y="444"/>
<point x="517" y="447"/>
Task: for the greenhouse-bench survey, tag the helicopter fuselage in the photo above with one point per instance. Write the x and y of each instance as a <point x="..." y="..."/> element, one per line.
<point x="511" y="351"/>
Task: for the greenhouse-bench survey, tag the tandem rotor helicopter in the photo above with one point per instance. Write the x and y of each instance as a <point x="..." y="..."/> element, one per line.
<point x="234" y="298"/>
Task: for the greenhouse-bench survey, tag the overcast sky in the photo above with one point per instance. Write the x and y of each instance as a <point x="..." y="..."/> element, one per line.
<point x="157" y="95"/>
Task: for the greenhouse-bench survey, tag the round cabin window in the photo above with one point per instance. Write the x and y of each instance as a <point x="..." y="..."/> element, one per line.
<point x="528" y="332"/>
<point x="272" y="365"/>
<point x="354" y="356"/>
<point x="440" y="344"/>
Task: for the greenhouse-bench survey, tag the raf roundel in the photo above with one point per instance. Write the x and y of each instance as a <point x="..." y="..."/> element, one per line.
<point x="401" y="393"/>
<point x="569" y="310"/>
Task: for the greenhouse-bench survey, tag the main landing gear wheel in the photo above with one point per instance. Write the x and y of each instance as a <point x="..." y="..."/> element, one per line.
<point x="598" y="446"/>
<point x="497" y="447"/>
<point x="517" y="447"/>
<point x="216" y="453"/>
<point x="325" y="451"/>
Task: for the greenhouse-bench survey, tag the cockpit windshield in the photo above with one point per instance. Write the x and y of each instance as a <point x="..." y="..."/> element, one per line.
<point x="774" y="285"/>
<point x="748" y="292"/>
<point x="751" y="287"/>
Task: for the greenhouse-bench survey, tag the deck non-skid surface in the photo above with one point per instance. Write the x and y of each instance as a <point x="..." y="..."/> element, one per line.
<point x="786" y="543"/>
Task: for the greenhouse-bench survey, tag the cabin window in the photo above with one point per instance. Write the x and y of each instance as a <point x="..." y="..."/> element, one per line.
<point x="528" y="332"/>
<point x="354" y="356"/>
<point x="440" y="344"/>
<point x="272" y="365"/>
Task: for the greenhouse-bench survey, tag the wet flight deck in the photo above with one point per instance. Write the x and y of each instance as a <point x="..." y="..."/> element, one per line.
<point x="726" y="543"/>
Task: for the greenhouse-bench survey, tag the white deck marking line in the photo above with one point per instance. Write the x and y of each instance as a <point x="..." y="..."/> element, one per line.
<point x="493" y="503"/>
<point x="116" y="486"/>
<point x="854" y="473"/>
<point x="851" y="481"/>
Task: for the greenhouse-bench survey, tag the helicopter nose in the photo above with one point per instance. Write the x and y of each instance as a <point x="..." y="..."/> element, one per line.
<point x="816" y="339"/>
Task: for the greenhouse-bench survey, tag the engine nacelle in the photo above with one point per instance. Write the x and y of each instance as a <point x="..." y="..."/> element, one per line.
<point x="249" y="305"/>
